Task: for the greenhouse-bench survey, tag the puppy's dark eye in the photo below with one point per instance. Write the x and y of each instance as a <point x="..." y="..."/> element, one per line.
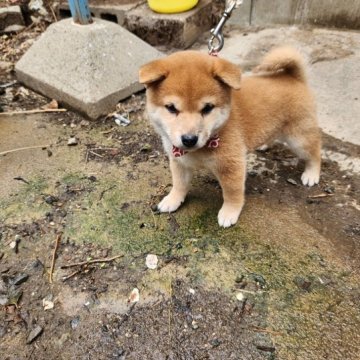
<point x="171" y="109"/>
<point x="207" y="109"/>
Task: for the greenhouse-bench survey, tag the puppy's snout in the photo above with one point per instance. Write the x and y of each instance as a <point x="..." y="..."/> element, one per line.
<point x="189" y="140"/>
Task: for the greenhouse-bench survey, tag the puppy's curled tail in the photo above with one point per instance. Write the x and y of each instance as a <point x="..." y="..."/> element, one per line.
<point x="283" y="60"/>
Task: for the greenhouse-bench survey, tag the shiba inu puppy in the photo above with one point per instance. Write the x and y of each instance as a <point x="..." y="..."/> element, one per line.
<point x="208" y="116"/>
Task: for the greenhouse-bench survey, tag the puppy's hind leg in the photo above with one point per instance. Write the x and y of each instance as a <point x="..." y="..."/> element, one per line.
<point x="181" y="178"/>
<point x="306" y="145"/>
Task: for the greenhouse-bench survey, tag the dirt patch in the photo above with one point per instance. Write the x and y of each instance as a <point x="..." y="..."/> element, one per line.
<point x="281" y="284"/>
<point x="137" y="146"/>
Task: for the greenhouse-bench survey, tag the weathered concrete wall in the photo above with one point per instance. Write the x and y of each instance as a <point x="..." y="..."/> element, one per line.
<point x="329" y="13"/>
<point x="334" y="13"/>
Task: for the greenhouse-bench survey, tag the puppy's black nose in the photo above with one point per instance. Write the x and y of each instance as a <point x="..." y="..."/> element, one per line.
<point x="189" y="140"/>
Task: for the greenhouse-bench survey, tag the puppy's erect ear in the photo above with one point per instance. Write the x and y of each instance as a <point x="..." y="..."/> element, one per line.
<point x="152" y="72"/>
<point x="227" y="73"/>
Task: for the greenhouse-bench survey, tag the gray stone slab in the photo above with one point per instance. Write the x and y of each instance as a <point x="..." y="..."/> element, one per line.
<point x="267" y="12"/>
<point x="333" y="13"/>
<point x="170" y="30"/>
<point x="330" y="13"/>
<point x="88" y="68"/>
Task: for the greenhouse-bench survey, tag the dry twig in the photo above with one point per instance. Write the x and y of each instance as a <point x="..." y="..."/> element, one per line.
<point x="104" y="191"/>
<point x="24" y="148"/>
<point x="34" y="111"/>
<point x="71" y="275"/>
<point x="319" y="196"/>
<point x="94" y="261"/>
<point x="267" y="331"/>
<point x="57" y="242"/>
<point x="96" y="154"/>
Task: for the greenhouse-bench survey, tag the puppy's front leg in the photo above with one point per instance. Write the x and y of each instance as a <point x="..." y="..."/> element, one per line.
<point x="232" y="181"/>
<point x="181" y="178"/>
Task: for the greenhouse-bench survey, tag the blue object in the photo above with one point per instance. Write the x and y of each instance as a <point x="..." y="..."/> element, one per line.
<point x="80" y="12"/>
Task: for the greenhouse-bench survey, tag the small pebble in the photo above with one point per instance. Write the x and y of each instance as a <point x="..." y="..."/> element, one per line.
<point x="50" y="199"/>
<point x="72" y="141"/>
<point x="134" y="296"/>
<point x="215" y="342"/>
<point x="240" y="296"/>
<point x="194" y="325"/>
<point x="74" y="323"/>
<point x="34" y="334"/>
<point x="292" y="181"/>
<point x="19" y="279"/>
<point x="151" y="261"/>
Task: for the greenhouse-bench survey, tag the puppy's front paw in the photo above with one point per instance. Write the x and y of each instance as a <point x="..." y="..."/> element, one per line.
<point x="310" y="177"/>
<point x="228" y="215"/>
<point x="170" y="203"/>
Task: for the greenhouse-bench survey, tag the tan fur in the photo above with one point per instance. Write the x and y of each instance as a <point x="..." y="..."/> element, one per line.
<point x="248" y="113"/>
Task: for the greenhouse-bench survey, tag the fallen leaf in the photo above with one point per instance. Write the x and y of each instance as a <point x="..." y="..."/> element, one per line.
<point x="47" y="304"/>
<point x="134" y="296"/>
<point x="53" y="104"/>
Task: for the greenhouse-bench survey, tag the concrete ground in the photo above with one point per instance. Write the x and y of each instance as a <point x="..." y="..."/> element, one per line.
<point x="281" y="284"/>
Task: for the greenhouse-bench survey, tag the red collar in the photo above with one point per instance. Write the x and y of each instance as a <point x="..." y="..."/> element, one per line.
<point x="213" y="142"/>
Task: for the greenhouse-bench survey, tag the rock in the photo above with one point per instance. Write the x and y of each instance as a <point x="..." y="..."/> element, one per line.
<point x="72" y="141"/>
<point x="13" y="28"/>
<point x="329" y="189"/>
<point x="151" y="261"/>
<point x="13" y="295"/>
<point x="170" y="30"/>
<point x="34" y="334"/>
<point x="50" y="199"/>
<point x="121" y="120"/>
<point x="84" y="123"/>
<point x="4" y="300"/>
<point x="240" y="296"/>
<point x="134" y="296"/>
<point x="146" y="148"/>
<point x="264" y="343"/>
<point x="6" y="66"/>
<point x="37" y="6"/>
<point x="47" y="304"/>
<point x="215" y="342"/>
<point x="259" y="279"/>
<point x="291" y="181"/>
<point x="19" y="279"/>
<point x="194" y="325"/>
<point x="34" y="265"/>
<point x="74" y="323"/>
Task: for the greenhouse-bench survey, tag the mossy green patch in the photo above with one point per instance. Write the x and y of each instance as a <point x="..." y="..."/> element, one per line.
<point x="25" y="205"/>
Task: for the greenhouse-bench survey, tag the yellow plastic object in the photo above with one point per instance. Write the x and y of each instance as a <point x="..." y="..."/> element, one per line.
<point x="171" y="6"/>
